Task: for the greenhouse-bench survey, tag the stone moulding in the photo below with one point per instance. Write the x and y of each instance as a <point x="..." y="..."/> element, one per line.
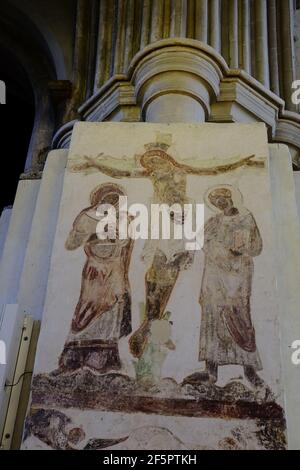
<point x="62" y="137"/>
<point x="288" y="131"/>
<point x="188" y="67"/>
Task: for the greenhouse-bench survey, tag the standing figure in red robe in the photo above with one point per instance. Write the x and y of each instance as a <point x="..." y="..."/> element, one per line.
<point x="103" y="312"/>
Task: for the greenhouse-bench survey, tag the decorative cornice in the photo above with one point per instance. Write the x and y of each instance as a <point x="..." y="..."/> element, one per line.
<point x="225" y="94"/>
<point x="181" y="43"/>
<point x="121" y="93"/>
<point x="62" y="137"/>
<point x="288" y="131"/>
<point x="240" y="97"/>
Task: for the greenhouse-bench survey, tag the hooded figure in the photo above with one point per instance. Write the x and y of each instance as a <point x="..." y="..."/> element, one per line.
<point x="103" y="312"/>
<point x="227" y="336"/>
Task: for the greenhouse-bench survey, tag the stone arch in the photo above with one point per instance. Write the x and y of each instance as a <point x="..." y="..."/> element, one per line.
<point x="23" y="43"/>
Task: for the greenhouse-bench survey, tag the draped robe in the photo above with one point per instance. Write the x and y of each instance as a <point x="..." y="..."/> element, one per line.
<point x="227" y="335"/>
<point x="103" y="312"/>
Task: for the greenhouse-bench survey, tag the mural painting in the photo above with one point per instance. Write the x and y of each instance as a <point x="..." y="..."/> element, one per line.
<point x="103" y="312"/>
<point x="52" y="429"/>
<point x="108" y="366"/>
<point x="227" y="335"/>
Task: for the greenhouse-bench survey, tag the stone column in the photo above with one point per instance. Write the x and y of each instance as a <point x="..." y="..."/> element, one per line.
<point x="287" y="262"/>
<point x="174" y="107"/>
<point x="273" y="46"/>
<point x="4" y="224"/>
<point x="245" y="45"/>
<point x="261" y="42"/>
<point x="16" y="241"/>
<point x="288" y="61"/>
<point x="201" y="23"/>
<point x="178" y="20"/>
<point x="40" y="142"/>
<point x="215" y="24"/>
<point x="233" y="34"/>
<point x="84" y="50"/>
<point x="34" y="277"/>
<point x="157" y="20"/>
<point x="175" y="83"/>
<point x="297" y="189"/>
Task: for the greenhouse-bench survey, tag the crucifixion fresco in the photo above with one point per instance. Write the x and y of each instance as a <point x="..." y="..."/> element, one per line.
<point x="169" y="179"/>
<point x="115" y="360"/>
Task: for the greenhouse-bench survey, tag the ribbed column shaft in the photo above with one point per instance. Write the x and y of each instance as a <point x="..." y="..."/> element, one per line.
<point x="215" y="24"/>
<point x="105" y="42"/>
<point x="261" y="42"/>
<point x="233" y="34"/>
<point x="254" y="35"/>
<point x="157" y="19"/>
<point x="146" y="19"/>
<point x="178" y="25"/>
<point x="273" y="46"/>
<point x="244" y="35"/>
<point x="286" y="11"/>
<point x="201" y="20"/>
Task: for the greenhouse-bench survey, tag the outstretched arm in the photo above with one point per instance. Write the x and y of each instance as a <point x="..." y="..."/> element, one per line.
<point x="92" y="163"/>
<point x="219" y="168"/>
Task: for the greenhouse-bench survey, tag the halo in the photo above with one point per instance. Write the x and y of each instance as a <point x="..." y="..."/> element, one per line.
<point x="236" y="196"/>
<point x="158" y="152"/>
<point x="103" y="190"/>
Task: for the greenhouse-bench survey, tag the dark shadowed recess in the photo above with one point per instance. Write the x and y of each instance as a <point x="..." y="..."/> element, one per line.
<point x="16" y="124"/>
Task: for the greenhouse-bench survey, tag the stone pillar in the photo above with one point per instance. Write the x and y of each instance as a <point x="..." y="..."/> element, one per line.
<point x="178" y="18"/>
<point x="84" y="49"/>
<point x="104" y="50"/>
<point x="273" y="46"/>
<point x="245" y="46"/>
<point x="34" y="278"/>
<point x="16" y="241"/>
<point x="233" y="34"/>
<point x="261" y="42"/>
<point x="173" y="107"/>
<point x="175" y="83"/>
<point x="297" y="189"/>
<point x="256" y="36"/>
<point x="201" y="23"/>
<point x="4" y="224"/>
<point x="157" y="20"/>
<point x="215" y="24"/>
<point x="40" y="142"/>
<point x="288" y="60"/>
<point x="287" y="259"/>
